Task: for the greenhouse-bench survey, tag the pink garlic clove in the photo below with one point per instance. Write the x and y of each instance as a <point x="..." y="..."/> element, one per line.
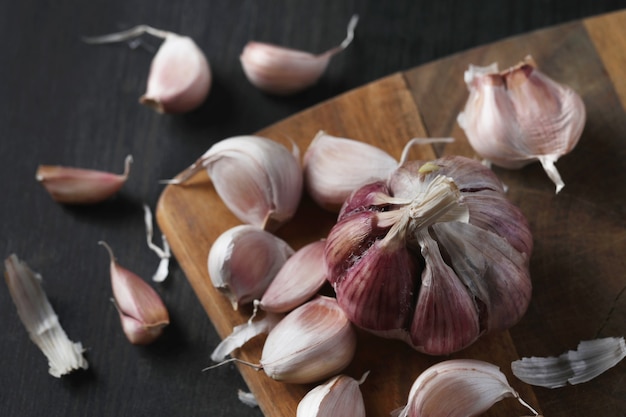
<point x="142" y="312"/>
<point x="70" y="185"/>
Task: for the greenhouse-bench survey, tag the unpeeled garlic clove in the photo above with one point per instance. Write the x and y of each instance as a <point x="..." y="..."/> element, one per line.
<point x="459" y="388"/>
<point x="311" y="343"/>
<point x="258" y="179"/>
<point x="40" y="320"/>
<point x="244" y="260"/>
<point x="180" y="76"/>
<point x="70" y="185"/>
<point x="283" y="71"/>
<point x="521" y="115"/>
<point x="299" y="279"/>
<point x="334" y="167"/>
<point x="339" y="396"/>
<point x="142" y="312"/>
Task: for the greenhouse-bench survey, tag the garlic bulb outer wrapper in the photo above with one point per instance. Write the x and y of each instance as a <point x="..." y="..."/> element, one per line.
<point x="334" y="167"/>
<point x="339" y="396"/>
<point x="71" y="185"/>
<point x="311" y="343"/>
<point x="40" y="320"/>
<point x="258" y="179"/>
<point x="142" y="312"/>
<point x="437" y="240"/>
<point x="284" y="71"/>
<point x="244" y="260"/>
<point x="521" y="115"/>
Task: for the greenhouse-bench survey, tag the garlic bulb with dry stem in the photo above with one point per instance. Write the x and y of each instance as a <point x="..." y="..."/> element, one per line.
<point x="40" y="320"/>
<point x="284" y="71"/>
<point x="244" y="260"/>
<point x="71" y="185"/>
<point x="435" y="256"/>
<point x="142" y="312"/>
<point x="180" y="75"/>
<point x="520" y="115"/>
<point x="459" y="388"/>
<point x="258" y="179"/>
<point x="339" y="396"/>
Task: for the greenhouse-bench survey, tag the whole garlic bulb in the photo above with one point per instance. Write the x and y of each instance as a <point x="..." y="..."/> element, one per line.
<point x="520" y="115"/>
<point x="435" y="256"/>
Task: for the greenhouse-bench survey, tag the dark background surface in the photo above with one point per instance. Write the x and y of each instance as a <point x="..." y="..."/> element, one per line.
<point x="65" y="102"/>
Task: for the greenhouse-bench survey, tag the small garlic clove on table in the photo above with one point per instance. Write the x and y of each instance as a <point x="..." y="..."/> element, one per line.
<point x="339" y="396"/>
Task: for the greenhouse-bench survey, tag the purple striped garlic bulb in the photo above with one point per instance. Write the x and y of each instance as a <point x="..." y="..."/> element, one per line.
<point x="436" y="255"/>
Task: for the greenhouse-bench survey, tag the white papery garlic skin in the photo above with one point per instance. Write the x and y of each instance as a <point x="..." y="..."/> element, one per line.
<point x="339" y="396"/>
<point x="258" y="179"/>
<point x="244" y="260"/>
<point x="520" y="115"/>
<point x="334" y="167"/>
<point x="458" y="388"/>
<point x="311" y="343"/>
<point x="40" y="320"/>
<point x="284" y="71"/>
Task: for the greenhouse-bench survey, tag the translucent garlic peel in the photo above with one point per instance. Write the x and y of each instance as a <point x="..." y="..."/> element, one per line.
<point x="242" y="334"/>
<point x="438" y="240"/>
<point x="71" y="185"/>
<point x="284" y="71"/>
<point x="40" y="320"/>
<point x="244" y="260"/>
<point x="521" y="115"/>
<point x="589" y="360"/>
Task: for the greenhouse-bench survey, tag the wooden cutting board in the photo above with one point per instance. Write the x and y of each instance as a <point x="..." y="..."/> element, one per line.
<point x="578" y="266"/>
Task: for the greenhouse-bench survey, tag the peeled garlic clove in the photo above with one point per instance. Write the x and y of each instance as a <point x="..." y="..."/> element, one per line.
<point x="258" y="179"/>
<point x="40" y="320"/>
<point x="70" y="185"/>
<point x="180" y="76"/>
<point x="299" y="279"/>
<point x="284" y="71"/>
<point x="312" y="342"/>
<point x="334" y="167"/>
<point x="244" y="260"/>
<point x="458" y="388"/>
<point x="590" y="359"/>
<point x="520" y="115"/>
<point x="340" y="396"/>
<point x="142" y="312"/>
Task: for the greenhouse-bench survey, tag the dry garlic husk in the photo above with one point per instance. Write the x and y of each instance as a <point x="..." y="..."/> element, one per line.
<point x="243" y="333"/>
<point x="40" y="320"/>
<point x="163" y="253"/>
<point x="283" y="71"/>
<point x="244" y="260"/>
<point x="435" y="256"/>
<point x="458" y="388"/>
<point x="311" y="343"/>
<point x="520" y="115"/>
<point x="71" y="185"/>
<point x="590" y="359"/>
<point x="258" y="179"/>
<point x="142" y="312"/>
<point x="299" y="279"/>
<point x="339" y="396"/>
<point x="180" y="75"/>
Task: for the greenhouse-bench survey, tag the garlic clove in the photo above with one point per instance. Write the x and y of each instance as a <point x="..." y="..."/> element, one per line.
<point x="459" y="388"/>
<point x="284" y="71"/>
<point x="258" y="179"/>
<point x="311" y="343"/>
<point x="180" y="76"/>
<point x="334" y="167"/>
<point x="244" y="260"/>
<point x="521" y="115"/>
<point x="40" y="320"/>
<point x="302" y="275"/>
<point x="590" y="359"/>
<point x="142" y="312"/>
<point x="70" y="185"/>
<point x="339" y="396"/>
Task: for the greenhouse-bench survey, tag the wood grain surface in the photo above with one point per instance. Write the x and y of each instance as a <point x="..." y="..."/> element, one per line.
<point x="578" y="268"/>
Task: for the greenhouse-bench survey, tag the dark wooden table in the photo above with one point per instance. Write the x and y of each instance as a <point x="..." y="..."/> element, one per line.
<point x="66" y="102"/>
